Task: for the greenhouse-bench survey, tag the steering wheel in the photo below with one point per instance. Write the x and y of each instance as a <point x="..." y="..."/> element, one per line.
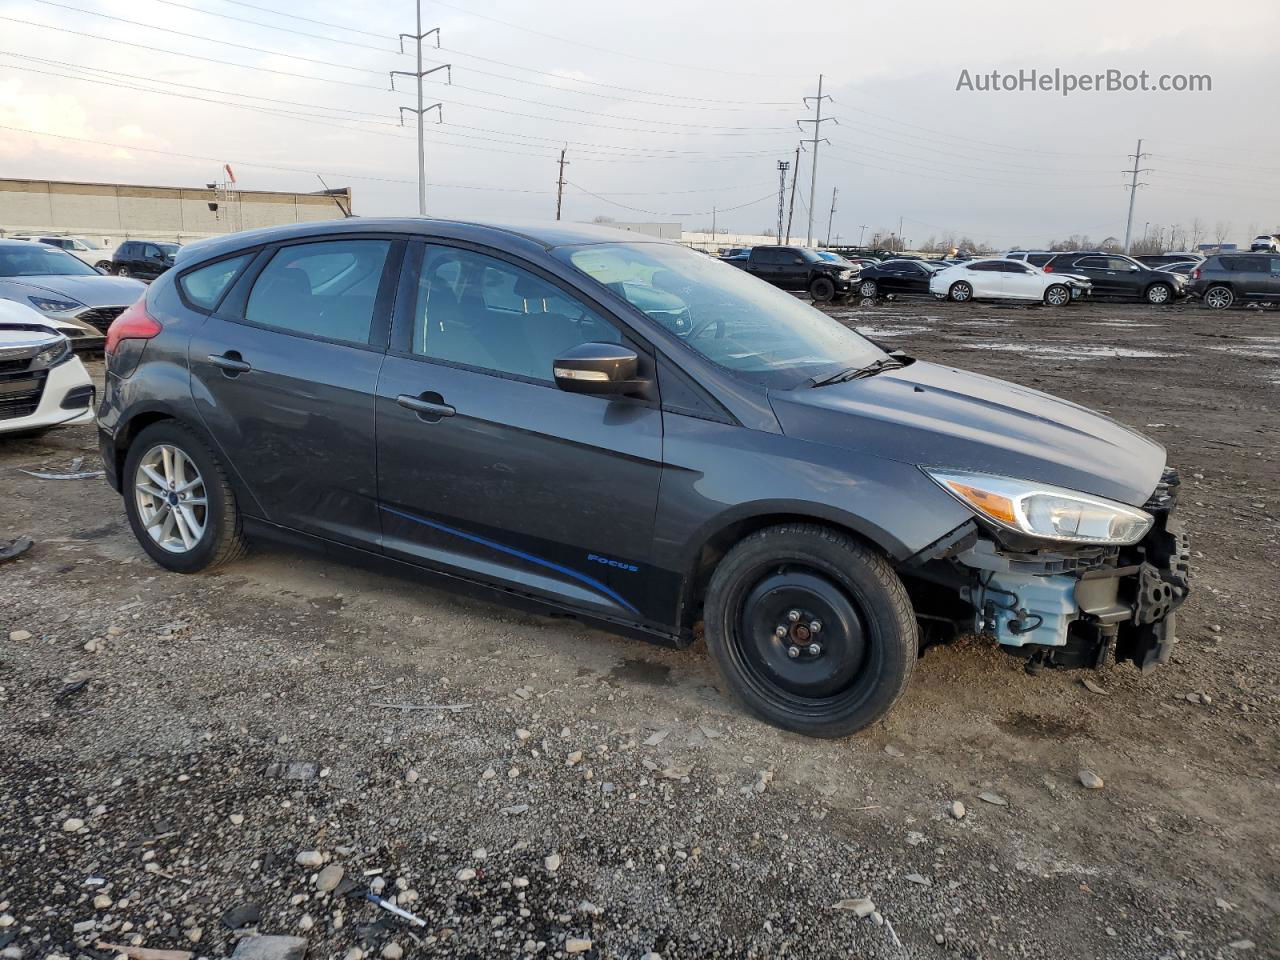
<point x="697" y="331"/>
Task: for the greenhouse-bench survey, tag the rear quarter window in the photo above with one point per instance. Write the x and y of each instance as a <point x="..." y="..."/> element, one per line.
<point x="204" y="286"/>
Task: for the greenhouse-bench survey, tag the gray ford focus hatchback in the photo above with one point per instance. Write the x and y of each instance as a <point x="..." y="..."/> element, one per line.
<point x="638" y="435"/>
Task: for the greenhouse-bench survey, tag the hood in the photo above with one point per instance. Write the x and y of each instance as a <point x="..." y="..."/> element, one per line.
<point x="929" y="415"/>
<point x="92" y="291"/>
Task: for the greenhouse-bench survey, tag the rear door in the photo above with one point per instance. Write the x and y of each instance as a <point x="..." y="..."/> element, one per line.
<point x="284" y="375"/>
<point x="485" y="468"/>
<point x="1106" y="280"/>
<point x="986" y="278"/>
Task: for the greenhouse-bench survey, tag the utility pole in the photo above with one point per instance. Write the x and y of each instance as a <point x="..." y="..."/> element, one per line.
<point x="1133" y="186"/>
<point x="560" y="183"/>
<point x="817" y="138"/>
<point x="901" y="245"/>
<point x="783" y="167"/>
<point x="831" y="215"/>
<point x="862" y="232"/>
<point x="713" y="226"/>
<point x="420" y="111"/>
<point x="795" y="172"/>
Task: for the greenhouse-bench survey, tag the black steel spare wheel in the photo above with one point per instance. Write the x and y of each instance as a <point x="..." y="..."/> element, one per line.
<point x="812" y="630"/>
<point x="800" y="635"/>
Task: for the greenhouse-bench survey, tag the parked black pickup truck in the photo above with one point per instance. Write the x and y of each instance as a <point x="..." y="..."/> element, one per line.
<point x="797" y="268"/>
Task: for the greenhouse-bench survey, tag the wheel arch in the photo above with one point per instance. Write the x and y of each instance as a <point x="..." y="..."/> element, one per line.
<point x="709" y="546"/>
<point x="128" y="431"/>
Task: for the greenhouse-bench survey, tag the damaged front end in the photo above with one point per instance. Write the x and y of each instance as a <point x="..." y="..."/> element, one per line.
<point x="1063" y="605"/>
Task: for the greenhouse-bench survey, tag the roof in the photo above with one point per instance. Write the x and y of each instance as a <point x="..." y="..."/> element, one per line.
<point x="539" y="235"/>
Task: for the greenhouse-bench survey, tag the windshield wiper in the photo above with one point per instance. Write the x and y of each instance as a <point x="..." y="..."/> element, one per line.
<point x="859" y="373"/>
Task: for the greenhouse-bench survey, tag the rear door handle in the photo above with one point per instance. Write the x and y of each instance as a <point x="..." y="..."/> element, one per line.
<point x="230" y="362"/>
<point x="426" y="408"/>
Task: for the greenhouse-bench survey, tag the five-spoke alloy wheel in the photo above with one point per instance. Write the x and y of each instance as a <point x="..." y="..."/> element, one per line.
<point x="180" y="503"/>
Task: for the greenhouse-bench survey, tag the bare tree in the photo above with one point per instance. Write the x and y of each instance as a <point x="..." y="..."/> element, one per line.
<point x="1221" y="230"/>
<point x="1197" y="232"/>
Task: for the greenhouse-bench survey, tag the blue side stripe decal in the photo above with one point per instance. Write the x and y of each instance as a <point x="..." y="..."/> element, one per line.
<point x="501" y="548"/>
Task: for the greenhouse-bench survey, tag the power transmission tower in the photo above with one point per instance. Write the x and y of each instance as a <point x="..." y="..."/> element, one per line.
<point x="1133" y="186"/>
<point x="560" y="183"/>
<point x="783" y="167"/>
<point x="795" y="172"/>
<point x="831" y="215"/>
<point x="817" y="121"/>
<point x="421" y="110"/>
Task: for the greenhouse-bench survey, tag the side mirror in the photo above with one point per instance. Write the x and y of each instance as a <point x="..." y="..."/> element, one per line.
<point x="598" y="368"/>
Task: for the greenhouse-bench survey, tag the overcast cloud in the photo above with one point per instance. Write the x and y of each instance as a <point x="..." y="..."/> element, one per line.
<point x="712" y="93"/>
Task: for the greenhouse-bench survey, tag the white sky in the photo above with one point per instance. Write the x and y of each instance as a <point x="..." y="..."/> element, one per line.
<point x="713" y="92"/>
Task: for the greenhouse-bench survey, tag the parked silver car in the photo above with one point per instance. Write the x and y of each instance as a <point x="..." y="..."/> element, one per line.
<point x="73" y="297"/>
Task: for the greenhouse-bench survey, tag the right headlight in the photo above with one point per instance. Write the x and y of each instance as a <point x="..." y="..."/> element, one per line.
<point x="52" y="355"/>
<point x="1044" y="511"/>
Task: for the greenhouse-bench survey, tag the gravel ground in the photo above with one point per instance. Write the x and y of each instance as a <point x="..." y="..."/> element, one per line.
<point x="187" y="759"/>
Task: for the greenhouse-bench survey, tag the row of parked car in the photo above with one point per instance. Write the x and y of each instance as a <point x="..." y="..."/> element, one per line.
<point x="144" y="259"/>
<point x="1055" y="278"/>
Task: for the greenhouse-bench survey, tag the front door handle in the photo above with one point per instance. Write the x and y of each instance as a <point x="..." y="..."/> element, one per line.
<point x="230" y="362"/>
<point x="429" y="407"/>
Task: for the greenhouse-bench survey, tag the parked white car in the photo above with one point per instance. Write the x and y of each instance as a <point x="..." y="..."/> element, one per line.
<point x="78" y="247"/>
<point x="1264" y="243"/>
<point x="43" y="384"/>
<point x="1003" y="279"/>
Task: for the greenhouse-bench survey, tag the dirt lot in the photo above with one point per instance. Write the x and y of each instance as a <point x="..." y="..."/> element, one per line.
<point x="233" y="721"/>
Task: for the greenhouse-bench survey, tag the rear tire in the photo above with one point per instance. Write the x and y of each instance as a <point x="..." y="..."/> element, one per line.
<point x="123" y="271"/>
<point x="864" y="647"/>
<point x="960" y="292"/>
<point x="221" y="538"/>
<point x="822" y="290"/>
<point x="1057" y="296"/>
<point x="1219" y="298"/>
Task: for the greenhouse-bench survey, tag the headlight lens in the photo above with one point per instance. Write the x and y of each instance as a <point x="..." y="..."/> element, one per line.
<point x="846" y="274"/>
<point x="50" y="305"/>
<point x="52" y="355"/>
<point x="1040" y="510"/>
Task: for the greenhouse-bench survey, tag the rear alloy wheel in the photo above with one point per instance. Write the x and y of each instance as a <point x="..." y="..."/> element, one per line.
<point x="123" y="271"/>
<point x="822" y="290"/>
<point x="179" y="502"/>
<point x="811" y="630"/>
<point x="1057" y="296"/>
<point x="960" y="292"/>
<point x="1219" y="298"/>
<point x="1159" y="293"/>
<point x="868" y="289"/>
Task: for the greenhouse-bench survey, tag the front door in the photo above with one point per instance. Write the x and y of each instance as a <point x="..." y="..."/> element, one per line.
<point x="485" y="468"/>
<point x="284" y="378"/>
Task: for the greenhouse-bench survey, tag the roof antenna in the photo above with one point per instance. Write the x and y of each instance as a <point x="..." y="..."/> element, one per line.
<point x="345" y="211"/>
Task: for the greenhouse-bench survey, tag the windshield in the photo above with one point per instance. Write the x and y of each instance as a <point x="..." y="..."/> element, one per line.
<point x="733" y="319"/>
<point x="40" y="260"/>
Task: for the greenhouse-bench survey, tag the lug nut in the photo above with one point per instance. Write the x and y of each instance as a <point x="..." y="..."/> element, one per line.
<point x="793" y="615"/>
<point x="793" y="652"/>
<point x="815" y="626"/>
<point x="814" y="649"/>
<point x="780" y="632"/>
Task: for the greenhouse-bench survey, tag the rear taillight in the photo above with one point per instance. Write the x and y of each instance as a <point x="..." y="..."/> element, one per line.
<point x="1047" y="268"/>
<point x="1195" y="273"/>
<point x="134" y="324"/>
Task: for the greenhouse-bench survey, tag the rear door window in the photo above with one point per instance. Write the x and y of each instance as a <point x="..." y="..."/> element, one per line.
<point x="324" y="289"/>
<point x="205" y="286"/>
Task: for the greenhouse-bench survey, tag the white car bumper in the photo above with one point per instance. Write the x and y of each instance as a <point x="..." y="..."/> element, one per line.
<point x="41" y="404"/>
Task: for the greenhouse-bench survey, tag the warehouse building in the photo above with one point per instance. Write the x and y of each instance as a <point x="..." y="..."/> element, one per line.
<point x="108" y="213"/>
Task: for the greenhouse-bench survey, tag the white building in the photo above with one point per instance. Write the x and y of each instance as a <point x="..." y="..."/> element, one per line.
<point x="108" y="213"/>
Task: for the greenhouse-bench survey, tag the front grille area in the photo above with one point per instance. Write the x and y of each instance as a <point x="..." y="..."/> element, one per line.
<point x="1165" y="497"/>
<point x="100" y="317"/>
<point x="20" y="392"/>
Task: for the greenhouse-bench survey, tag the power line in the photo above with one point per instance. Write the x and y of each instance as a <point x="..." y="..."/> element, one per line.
<point x="661" y="213"/>
<point x="322" y="23"/>
<point x="270" y="26"/>
<point x="589" y="46"/>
